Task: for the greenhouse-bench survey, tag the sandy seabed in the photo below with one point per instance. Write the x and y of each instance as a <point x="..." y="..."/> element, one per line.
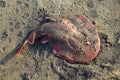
<point x="19" y="17"/>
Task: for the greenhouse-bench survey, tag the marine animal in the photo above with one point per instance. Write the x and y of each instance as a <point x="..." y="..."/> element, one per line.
<point x="74" y="39"/>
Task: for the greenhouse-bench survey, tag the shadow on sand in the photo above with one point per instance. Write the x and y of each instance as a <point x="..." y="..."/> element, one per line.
<point x="34" y="47"/>
<point x="8" y="57"/>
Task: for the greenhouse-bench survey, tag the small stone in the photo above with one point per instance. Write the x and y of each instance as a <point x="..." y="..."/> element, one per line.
<point x="90" y="3"/>
<point x="104" y="37"/>
<point x="94" y="14"/>
<point x="26" y="65"/>
<point x="23" y="24"/>
<point x="10" y="23"/>
<point x="0" y="15"/>
<point x="25" y="76"/>
<point x="100" y="0"/>
<point x="16" y="11"/>
<point x="17" y="25"/>
<point x="19" y="34"/>
<point x="119" y="40"/>
<point x="4" y="35"/>
<point x="2" y="4"/>
<point x="35" y="76"/>
<point x="10" y="40"/>
<point x="18" y="2"/>
<point x="46" y="75"/>
<point x="26" y="15"/>
<point x="11" y="30"/>
<point x="3" y="49"/>
<point x="108" y="66"/>
<point x="26" y="5"/>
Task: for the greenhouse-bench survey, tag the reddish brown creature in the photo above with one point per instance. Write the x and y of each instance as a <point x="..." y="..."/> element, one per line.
<point x="73" y="39"/>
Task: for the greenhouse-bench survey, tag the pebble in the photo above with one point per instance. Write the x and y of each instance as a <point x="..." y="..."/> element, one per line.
<point x="3" y="49"/>
<point x="19" y="34"/>
<point x="108" y="66"/>
<point x="26" y="65"/>
<point x="119" y="41"/>
<point x="18" y="2"/>
<point x="2" y="4"/>
<point x="4" y="35"/>
<point x="90" y="3"/>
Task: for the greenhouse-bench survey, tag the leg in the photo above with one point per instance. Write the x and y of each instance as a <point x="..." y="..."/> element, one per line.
<point x="29" y="40"/>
